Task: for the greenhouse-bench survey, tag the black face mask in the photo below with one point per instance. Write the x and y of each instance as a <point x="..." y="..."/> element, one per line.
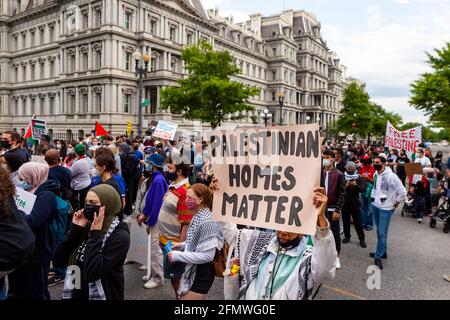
<point x="378" y="166"/>
<point x="6" y="144"/>
<point x="171" y="176"/>
<point x="290" y="244"/>
<point x="90" y="210"/>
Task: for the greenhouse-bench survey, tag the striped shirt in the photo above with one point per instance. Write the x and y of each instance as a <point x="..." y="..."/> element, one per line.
<point x="174" y="213"/>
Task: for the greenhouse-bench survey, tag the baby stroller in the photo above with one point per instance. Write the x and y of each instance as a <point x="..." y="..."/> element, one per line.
<point x="442" y="213"/>
<point x="410" y="205"/>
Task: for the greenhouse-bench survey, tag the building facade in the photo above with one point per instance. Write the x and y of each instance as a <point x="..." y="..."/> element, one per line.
<point x="71" y="62"/>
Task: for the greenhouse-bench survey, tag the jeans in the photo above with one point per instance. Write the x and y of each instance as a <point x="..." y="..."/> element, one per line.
<point x="366" y="213"/>
<point x="420" y="214"/>
<point x="382" y="220"/>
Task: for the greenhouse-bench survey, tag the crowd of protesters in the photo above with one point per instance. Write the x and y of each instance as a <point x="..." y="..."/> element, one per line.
<point x="168" y="186"/>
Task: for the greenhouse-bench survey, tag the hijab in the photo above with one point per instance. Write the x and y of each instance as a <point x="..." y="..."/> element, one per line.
<point x="111" y="200"/>
<point x="34" y="173"/>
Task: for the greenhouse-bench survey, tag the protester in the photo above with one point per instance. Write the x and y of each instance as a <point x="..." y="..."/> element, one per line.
<point x="422" y="159"/>
<point x="149" y="215"/>
<point x="57" y="172"/>
<point x="130" y="174"/>
<point x="301" y="267"/>
<point x="98" y="244"/>
<point x="334" y="183"/>
<point x="367" y="172"/>
<point x="351" y="210"/>
<point x="388" y="191"/>
<point x="204" y="238"/>
<point x="62" y="148"/>
<point x="174" y="219"/>
<point x="17" y="240"/>
<point x="81" y="175"/>
<point x="420" y="198"/>
<point x="116" y="158"/>
<point x="438" y="161"/>
<point x="30" y="282"/>
<point x="339" y="161"/>
<point x="401" y="160"/>
<point x="11" y="144"/>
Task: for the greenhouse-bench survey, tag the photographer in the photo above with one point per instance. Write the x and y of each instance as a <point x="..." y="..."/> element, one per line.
<point x="387" y="193"/>
<point x="97" y="243"/>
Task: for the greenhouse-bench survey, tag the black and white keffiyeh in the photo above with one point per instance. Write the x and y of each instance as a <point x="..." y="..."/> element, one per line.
<point x="96" y="291"/>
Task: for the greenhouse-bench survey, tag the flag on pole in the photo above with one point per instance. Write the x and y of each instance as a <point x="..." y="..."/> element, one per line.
<point x="99" y="130"/>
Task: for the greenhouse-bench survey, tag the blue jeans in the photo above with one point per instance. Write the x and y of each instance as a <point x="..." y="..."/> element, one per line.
<point x="382" y="220"/>
<point x="366" y="213"/>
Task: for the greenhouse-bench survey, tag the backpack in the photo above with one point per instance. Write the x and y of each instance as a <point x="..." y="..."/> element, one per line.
<point x="60" y="223"/>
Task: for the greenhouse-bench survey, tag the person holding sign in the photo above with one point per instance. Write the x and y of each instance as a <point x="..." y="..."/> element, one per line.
<point x="283" y="265"/>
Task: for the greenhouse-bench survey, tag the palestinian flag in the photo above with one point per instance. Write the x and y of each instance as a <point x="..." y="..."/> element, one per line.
<point x="99" y="130"/>
<point x="29" y="134"/>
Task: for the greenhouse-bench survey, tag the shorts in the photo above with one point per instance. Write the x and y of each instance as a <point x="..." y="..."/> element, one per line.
<point x="174" y="270"/>
<point x="204" y="278"/>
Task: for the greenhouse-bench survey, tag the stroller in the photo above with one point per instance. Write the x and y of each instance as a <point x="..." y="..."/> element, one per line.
<point x="442" y="213"/>
<point x="410" y="205"/>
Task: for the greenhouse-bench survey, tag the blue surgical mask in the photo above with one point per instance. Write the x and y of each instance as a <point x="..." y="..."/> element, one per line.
<point x="24" y="185"/>
<point x="149" y="167"/>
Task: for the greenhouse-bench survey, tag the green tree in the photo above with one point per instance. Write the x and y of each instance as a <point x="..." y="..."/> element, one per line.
<point x="208" y="94"/>
<point x="431" y="92"/>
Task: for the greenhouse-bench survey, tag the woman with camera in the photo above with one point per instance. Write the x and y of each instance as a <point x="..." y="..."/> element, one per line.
<point x="95" y="249"/>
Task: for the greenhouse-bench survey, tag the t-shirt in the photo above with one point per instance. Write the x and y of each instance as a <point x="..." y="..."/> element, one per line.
<point x="367" y="172"/>
<point x="174" y="213"/>
<point x="425" y="161"/>
<point x="113" y="183"/>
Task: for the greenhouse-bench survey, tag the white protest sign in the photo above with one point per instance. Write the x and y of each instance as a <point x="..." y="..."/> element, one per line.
<point x="416" y="178"/>
<point x="165" y="130"/>
<point x="24" y="200"/>
<point x="138" y="243"/>
<point x="266" y="176"/>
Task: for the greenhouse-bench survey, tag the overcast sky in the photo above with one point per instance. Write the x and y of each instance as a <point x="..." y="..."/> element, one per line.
<point x="382" y="42"/>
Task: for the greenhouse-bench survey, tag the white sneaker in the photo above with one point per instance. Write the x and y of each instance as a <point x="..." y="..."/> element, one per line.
<point x="419" y="220"/>
<point x="143" y="267"/>
<point x="338" y="263"/>
<point x="146" y="278"/>
<point x="151" y="284"/>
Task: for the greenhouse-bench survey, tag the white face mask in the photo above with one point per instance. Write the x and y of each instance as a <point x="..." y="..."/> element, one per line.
<point x="326" y="163"/>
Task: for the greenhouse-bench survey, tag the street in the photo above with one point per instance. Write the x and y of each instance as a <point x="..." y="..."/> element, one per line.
<point x="417" y="259"/>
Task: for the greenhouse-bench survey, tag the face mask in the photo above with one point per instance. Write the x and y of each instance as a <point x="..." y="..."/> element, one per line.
<point x="351" y="172"/>
<point x="6" y="144"/>
<point x="24" y="185"/>
<point x="69" y="150"/>
<point x="171" y="176"/>
<point x="290" y="244"/>
<point x="165" y="168"/>
<point x="191" y="204"/>
<point x="326" y="163"/>
<point x="90" y="210"/>
<point x="349" y="154"/>
<point x="149" y="167"/>
<point x="378" y="166"/>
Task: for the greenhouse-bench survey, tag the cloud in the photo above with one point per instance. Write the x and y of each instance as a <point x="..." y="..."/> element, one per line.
<point x="403" y="1"/>
<point x="401" y="106"/>
<point x="211" y="4"/>
<point x="238" y="16"/>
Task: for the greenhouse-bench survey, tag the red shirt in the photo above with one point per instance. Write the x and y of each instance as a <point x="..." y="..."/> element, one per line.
<point x="367" y="172"/>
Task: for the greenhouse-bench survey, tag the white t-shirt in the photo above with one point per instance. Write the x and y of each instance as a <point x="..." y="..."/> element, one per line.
<point x="425" y="161"/>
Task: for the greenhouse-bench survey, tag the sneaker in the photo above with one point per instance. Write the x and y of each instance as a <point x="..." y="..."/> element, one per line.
<point x="419" y="220"/>
<point x="447" y="277"/>
<point x="146" y="278"/>
<point x="152" y="284"/>
<point x="54" y="280"/>
<point x="346" y="240"/>
<point x="379" y="264"/>
<point x="143" y="267"/>
<point x="338" y="263"/>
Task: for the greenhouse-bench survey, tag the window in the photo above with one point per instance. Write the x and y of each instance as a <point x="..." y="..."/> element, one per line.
<point x="52" y="69"/>
<point x="51" y="31"/>
<point x="98" y="59"/>
<point x="173" y="64"/>
<point x="274" y="75"/>
<point x="84" y="104"/>
<point x="16" y="74"/>
<point x="173" y="33"/>
<point x="51" y="107"/>
<point x="274" y="52"/>
<point x="153" y="26"/>
<point x="41" y="35"/>
<point x="71" y="62"/>
<point x="127" y="60"/>
<point x="254" y="71"/>
<point x="40" y="109"/>
<point x="16" y="43"/>
<point x="126" y="103"/>
<point x="32" y="38"/>
<point x="97" y="17"/>
<point x="189" y="38"/>
<point x="98" y="103"/>
<point x="273" y="95"/>
<point x="84" y="20"/>
<point x="24" y="73"/>
<point x="238" y="38"/>
<point x="127" y="20"/>
<point x="41" y="70"/>
<point x="153" y="64"/>
<point x="84" y="61"/>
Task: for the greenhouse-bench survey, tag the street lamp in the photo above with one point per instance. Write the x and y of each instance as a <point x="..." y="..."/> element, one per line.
<point x="281" y="100"/>
<point x="307" y="119"/>
<point x="141" y="71"/>
<point x="266" y="116"/>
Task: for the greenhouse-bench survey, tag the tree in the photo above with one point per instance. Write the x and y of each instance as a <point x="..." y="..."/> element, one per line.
<point x="431" y="93"/>
<point x="208" y="94"/>
<point x="355" y="116"/>
<point x="427" y="133"/>
<point x="380" y="117"/>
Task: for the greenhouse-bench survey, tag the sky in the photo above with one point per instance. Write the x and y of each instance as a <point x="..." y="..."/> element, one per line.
<point x="383" y="42"/>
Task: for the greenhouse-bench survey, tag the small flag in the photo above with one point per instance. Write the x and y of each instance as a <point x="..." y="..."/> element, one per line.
<point x="99" y="130"/>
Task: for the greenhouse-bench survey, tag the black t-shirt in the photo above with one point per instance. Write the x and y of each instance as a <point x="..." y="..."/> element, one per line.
<point x="113" y="183"/>
<point x="401" y="169"/>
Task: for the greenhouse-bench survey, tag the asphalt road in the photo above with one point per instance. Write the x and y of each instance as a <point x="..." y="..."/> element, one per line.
<point x="418" y="256"/>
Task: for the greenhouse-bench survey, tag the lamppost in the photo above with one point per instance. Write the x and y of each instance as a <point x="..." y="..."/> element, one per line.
<point x="141" y="71"/>
<point x="307" y="119"/>
<point x="281" y="101"/>
<point x="353" y="127"/>
<point x="266" y="116"/>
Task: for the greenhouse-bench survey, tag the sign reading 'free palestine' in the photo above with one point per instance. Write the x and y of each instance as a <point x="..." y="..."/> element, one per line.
<point x="266" y="177"/>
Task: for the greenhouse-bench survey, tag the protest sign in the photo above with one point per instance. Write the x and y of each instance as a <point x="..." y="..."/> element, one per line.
<point x="37" y="128"/>
<point x="266" y="176"/>
<point x="407" y="140"/>
<point x="138" y="243"/>
<point x="416" y="178"/>
<point x="413" y="168"/>
<point x="165" y="130"/>
<point x="24" y="200"/>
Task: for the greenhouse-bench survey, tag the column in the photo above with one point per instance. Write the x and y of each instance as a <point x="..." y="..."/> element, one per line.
<point x="158" y="99"/>
<point x="90" y="101"/>
<point x="90" y="18"/>
<point x="77" y="59"/>
<point x="77" y="102"/>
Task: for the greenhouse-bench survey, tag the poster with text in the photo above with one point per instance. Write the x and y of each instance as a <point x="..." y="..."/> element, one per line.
<point x="407" y="140"/>
<point x="266" y="176"/>
<point x="165" y="130"/>
<point x="24" y="200"/>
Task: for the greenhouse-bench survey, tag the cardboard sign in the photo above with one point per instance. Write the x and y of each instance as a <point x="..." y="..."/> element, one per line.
<point x="165" y="130"/>
<point x="138" y="243"/>
<point x="266" y="176"/>
<point x="38" y="128"/>
<point x="24" y="200"/>
<point x="407" y="140"/>
<point x="413" y="168"/>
